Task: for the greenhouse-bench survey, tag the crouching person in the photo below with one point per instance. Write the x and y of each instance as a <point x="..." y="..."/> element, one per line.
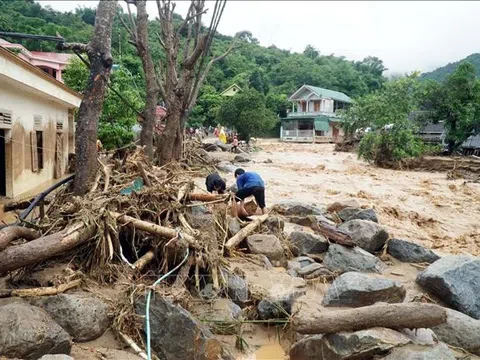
<point x="248" y="184"/>
<point x="215" y="183"/>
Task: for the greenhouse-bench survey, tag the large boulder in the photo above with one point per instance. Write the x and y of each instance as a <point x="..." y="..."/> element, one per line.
<point x="268" y="245"/>
<point x="304" y="243"/>
<point x="226" y="166"/>
<point x="455" y="280"/>
<point x="409" y="252"/>
<point x="234" y="226"/>
<point x="275" y="224"/>
<point x="241" y="158"/>
<point x="346" y="213"/>
<point x="418" y="352"/>
<point x="84" y="316"/>
<point x="460" y="331"/>
<point x="221" y="145"/>
<point x="199" y="217"/>
<point x="353" y="289"/>
<point x="363" y="344"/>
<point x="296" y="208"/>
<point x="342" y="259"/>
<point x="176" y="334"/>
<point x="219" y="315"/>
<point x="364" y="214"/>
<point x="366" y="234"/>
<point x="28" y="332"/>
<point x="342" y="204"/>
<point x="277" y="307"/>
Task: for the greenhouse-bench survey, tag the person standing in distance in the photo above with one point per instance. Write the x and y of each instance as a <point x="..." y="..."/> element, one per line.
<point x="249" y="184"/>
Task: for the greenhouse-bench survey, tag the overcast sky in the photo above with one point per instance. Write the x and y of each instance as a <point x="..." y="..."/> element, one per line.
<point x="407" y="36"/>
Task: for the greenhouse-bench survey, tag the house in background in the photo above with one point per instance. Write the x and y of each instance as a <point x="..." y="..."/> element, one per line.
<point x="36" y="125"/>
<point x="314" y="116"/>
<point x="51" y="63"/>
<point x="435" y="134"/>
<point x="231" y="90"/>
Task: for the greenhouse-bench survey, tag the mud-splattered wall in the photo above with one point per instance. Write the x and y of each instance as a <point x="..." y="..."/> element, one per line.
<point x="21" y="176"/>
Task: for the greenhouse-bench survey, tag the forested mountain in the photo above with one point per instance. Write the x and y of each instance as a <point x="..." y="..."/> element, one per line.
<point x="441" y="73"/>
<point x="267" y="69"/>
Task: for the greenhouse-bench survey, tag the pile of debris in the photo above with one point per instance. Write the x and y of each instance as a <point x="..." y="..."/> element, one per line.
<point x="165" y="266"/>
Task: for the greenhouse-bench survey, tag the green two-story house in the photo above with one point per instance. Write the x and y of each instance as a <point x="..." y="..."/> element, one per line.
<point x="313" y="117"/>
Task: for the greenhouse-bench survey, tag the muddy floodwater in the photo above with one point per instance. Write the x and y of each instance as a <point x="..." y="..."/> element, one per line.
<point x="423" y="207"/>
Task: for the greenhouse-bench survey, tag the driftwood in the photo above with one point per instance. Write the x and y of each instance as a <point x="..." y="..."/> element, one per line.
<point x="17" y="205"/>
<point x="205" y="197"/>
<point x="42" y="291"/>
<point x="144" y="260"/>
<point x="246" y="231"/>
<point x="394" y="316"/>
<point x="11" y="233"/>
<point x="153" y="228"/>
<point x="136" y="349"/>
<point x="45" y="247"/>
<point x="331" y="232"/>
<point x="143" y="174"/>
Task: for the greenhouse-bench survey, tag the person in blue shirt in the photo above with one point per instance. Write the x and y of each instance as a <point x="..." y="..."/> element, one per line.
<point x="248" y="184"/>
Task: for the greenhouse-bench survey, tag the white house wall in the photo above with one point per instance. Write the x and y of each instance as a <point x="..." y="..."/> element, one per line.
<point x="24" y="106"/>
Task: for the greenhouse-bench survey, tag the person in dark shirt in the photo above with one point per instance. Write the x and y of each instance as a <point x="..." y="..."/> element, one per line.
<point x="248" y="184"/>
<point x="215" y="183"/>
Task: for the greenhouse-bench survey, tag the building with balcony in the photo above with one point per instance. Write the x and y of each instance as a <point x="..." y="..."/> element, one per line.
<point x="314" y="116"/>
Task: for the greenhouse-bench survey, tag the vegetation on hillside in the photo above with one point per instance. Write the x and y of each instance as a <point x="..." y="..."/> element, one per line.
<point x="442" y="73"/>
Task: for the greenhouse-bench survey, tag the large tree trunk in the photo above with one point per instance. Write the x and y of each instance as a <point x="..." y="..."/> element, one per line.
<point x="394" y="316"/>
<point x="92" y="104"/>
<point x="171" y="141"/>
<point x="44" y="248"/>
<point x="11" y="233"/>
<point x="152" y="90"/>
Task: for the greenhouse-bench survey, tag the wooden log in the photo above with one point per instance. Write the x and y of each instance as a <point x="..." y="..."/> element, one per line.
<point x="144" y="260"/>
<point x="394" y="316"/>
<point x="331" y="232"/>
<point x="205" y="197"/>
<point x="42" y="291"/>
<point x="246" y="231"/>
<point x="143" y="174"/>
<point x="17" y="205"/>
<point x="11" y="233"/>
<point x="44" y="248"/>
<point x="153" y="228"/>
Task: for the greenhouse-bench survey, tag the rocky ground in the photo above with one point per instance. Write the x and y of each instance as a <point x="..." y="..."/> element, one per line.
<point x="287" y="287"/>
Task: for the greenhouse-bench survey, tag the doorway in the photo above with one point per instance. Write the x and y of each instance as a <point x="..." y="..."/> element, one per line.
<point x="3" y="167"/>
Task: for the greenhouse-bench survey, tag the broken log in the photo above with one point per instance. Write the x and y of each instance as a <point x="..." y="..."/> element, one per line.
<point x="246" y="231"/>
<point x="44" y="248"/>
<point x="17" y="205"/>
<point x="144" y="260"/>
<point x="143" y="174"/>
<point x="11" y="233"/>
<point x="329" y="231"/>
<point x="153" y="228"/>
<point x="42" y="291"/>
<point x="394" y="316"/>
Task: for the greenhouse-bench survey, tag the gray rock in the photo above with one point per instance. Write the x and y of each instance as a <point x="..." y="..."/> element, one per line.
<point x="343" y="259"/>
<point x="315" y="270"/>
<point x="299" y="262"/>
<point x="177" y="335"/>
<point x="268" y="245"/>
<point x="354" y="289"/>
<point x="28" y="332"/>
<point x="226" y="166"/>
<point x="234" y="226"/>
<point x="208" y="292"/>
<point x="276" y="308"/>
<point x="211" y="148"/>
<point x="241" y="159"/>
<point x="221" y="145"/>
<point x="219" y="315"/>
<point x="409" y="252"/>
<point x="365" y="214"/>
<point x="237" y="288"/>
<point x="199" y="217"/>
<point x="82" y="315"/>
<point x="460" y="331"/>
<point x="346" y="213"/>
<point x="304" y="243"/>
<point x="204" y="155"/>
<point x="340" y="205"/>
<point x="418" y="352"/>
<point x="455" y="280"/>
<point x="56" y="357"/>
<point x="363" y="344"/>
<point x="421" y="336"/>
<point x="311" y="220"/>
<point x="275" y="224"/>
<point x="366" y="234"/>
<point x="296" y="208"/>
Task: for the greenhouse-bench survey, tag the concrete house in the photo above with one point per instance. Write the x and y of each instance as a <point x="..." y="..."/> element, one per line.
<point x="231" y="90"/>
<point x="36" y="125"/>
<point x="314" y="116"/>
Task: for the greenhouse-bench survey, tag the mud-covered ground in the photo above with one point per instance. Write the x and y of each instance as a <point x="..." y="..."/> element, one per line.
<point x="423" y="207"/>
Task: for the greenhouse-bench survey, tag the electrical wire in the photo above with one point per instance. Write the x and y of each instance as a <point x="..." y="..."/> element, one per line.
<point x="149" y="296"/>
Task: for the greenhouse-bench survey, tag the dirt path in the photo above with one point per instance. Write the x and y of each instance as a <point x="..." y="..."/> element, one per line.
<point x="423" y="207"/>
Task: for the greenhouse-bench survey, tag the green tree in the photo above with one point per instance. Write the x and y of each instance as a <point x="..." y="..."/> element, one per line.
<point x="311" y="52"/>
<point x="205" y="112"/>
<point x="117" y="119"/>
<point x="278" y="103"/>
<point x="457" y="102"/>
<point x="387" y="115"/>
<point x="247" y="113"/>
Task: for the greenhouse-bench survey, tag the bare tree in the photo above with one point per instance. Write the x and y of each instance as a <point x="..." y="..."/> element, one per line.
<point x="100" y="63"/>
<point x="138" y="31"/>
<point x="185" y="67"/>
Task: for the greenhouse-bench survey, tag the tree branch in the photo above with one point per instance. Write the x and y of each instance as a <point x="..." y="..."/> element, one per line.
<point x="190" y="62"/>
<point x="130" y="31"/>
<point x="74" y="46"/>
<point x="134" y="27"/>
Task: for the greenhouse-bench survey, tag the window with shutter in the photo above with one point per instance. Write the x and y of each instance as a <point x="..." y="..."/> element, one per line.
<point x="33" y="150"/>
<point x="5" y="119"/>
